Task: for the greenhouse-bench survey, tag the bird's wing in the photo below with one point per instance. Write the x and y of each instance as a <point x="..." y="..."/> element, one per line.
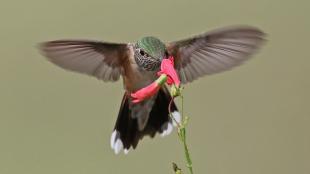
<point x="100" y="59"/>
<point x="214" y="51"/>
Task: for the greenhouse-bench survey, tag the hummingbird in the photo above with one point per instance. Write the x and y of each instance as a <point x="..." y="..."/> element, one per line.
<point x="138" y="63"/>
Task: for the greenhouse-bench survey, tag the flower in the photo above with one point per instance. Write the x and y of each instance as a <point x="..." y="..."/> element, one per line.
<point x="167" y="74"/>
<point x="167" y="67"/>
<point x="145" y="92"/>
<point x="149" y="90"/>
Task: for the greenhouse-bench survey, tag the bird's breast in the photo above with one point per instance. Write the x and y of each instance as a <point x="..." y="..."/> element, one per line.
<point x="135" y="78"/>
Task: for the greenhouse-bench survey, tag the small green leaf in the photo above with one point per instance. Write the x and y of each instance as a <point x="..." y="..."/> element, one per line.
<point x="175" y="91"/>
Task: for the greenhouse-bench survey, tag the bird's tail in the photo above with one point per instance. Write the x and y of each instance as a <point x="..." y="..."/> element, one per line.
<point x="126" y="133"/>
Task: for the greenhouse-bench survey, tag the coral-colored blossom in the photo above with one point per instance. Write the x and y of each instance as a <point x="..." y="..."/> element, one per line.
<point x="145" y="92"/>
<point x="167" y="67"/>
<point x="167" y="74"/>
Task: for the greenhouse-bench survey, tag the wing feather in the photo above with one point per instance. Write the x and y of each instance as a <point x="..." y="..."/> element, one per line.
<point x="214" y="51"/>
<point x="100" y="59"/>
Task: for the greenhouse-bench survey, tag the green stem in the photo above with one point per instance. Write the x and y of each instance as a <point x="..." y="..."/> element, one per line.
<point x="182" y="131"/>
<point x="182" y="135"/>
<point x="187" y="154"/>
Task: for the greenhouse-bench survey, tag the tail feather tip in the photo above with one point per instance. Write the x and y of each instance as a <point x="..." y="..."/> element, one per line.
<point x="116" y="143"/>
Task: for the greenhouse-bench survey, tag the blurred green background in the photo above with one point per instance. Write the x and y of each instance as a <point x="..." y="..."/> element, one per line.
<point x="252" y="120"/>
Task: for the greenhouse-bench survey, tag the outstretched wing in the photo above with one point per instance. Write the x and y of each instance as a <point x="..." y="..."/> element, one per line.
<point x="214" y="51"/>
<point x="100" y="59"/>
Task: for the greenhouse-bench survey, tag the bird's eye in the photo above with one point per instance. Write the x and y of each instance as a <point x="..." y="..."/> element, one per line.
<point x="142" y="52"/>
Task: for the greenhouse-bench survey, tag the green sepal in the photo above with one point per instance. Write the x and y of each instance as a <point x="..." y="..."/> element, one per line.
<point x="161" y="80"/>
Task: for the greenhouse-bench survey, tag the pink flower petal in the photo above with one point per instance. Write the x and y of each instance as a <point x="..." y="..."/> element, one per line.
<point x="145" y="92"/>
<point x="167" y="67"/>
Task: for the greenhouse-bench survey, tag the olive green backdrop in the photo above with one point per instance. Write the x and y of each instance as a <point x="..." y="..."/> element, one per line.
<point x="252" y="120"/>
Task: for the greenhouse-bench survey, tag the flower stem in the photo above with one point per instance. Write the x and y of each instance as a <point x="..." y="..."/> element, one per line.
<point x="182" y="135"/>
<point x="187" y="154"/>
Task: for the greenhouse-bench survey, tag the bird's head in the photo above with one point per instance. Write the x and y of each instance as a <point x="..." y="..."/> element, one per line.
<point x="149" y="52"/>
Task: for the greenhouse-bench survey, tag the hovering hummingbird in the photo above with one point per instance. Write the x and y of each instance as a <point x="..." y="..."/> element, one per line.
<point x="138" y="63"/>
